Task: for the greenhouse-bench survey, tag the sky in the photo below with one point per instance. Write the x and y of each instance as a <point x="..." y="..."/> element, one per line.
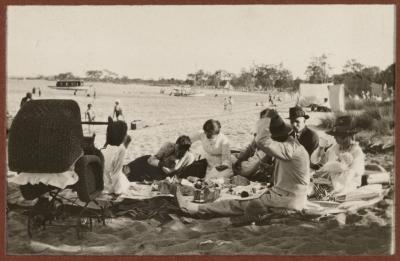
<point x="173" y="41"/>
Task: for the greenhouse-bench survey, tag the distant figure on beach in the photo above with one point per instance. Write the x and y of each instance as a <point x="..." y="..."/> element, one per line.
<point x="217" y="148"/>
<point x="230" y="103"/>
<point x="226" y="103"/>
<point x="118" y="111"/>
<point x="114" y="153"/>
<point x="323" y="107"/>
<point x="75" y="92"/>
<point x="26" y="99"/>
<point x="40" y="92"/>
<point x="171" y="158"/>
<point x="270" y="100"/>
<point x="90" y="115"/>
<point x="34" y="90"/>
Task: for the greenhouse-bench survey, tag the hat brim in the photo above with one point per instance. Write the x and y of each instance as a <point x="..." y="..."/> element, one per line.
<point x="286" y="131"/>
<point x="341" y="133"/>
<point x="305" y="117"/>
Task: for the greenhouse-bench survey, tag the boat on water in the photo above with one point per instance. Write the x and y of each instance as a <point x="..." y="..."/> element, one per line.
<point x="187" y="92"/>
<point x="74" y="85"/>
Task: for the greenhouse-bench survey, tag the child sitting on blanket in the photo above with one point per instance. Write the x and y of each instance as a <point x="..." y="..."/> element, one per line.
<point x="337" y="172"/>
<point x="114" y="152"/>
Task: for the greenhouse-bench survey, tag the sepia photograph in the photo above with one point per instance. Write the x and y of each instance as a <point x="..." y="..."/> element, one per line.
<point x="187" y="130"/>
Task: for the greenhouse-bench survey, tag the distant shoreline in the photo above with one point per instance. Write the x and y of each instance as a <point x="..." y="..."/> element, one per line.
<point x="208" y="89"/>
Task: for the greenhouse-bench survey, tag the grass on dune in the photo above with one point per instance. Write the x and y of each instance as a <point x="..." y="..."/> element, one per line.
<point x="376" y="117"/>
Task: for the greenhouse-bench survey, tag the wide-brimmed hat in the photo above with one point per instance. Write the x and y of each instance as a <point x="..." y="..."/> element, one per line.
<point x="278" y="127"/>
<point x="344" y="126"/>
<point x="296" y="112"/>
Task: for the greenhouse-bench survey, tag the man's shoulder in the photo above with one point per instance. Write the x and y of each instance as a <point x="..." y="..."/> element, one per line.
<point x="310" y="133"/>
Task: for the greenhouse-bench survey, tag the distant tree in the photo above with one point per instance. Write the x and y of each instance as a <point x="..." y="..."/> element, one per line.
<point x="246" y="79"/>
<point x="318" y="69"/>
<point x="352" y="66"/>
<point x="272" y="76"/>
<point x="65" y="76"/>
<point x="199" y="78"/>
<point x="372" y="74"/>
<point x="389" y="75"/>
<point x="94" y="74"/>
<point x="296" y="84"/>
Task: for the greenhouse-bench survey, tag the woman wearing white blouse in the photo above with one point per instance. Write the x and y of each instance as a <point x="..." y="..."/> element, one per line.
<point x="217" y="148"/>
<point x="114" y="151"/>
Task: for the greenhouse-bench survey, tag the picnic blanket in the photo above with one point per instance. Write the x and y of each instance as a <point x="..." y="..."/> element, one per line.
<point x="144" y="202"/>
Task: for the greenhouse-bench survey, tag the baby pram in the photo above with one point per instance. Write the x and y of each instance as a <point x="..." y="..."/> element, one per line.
<point x="47" y="148"/>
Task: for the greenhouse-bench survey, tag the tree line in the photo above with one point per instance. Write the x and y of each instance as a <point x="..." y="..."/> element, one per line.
<point x="356" y="77"/>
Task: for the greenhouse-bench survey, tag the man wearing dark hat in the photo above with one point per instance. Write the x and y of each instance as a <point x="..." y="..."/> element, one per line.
<point x="291" y="178"/>
<point x="307" y="137"/>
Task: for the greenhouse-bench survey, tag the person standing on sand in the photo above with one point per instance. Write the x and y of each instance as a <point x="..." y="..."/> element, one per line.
<point x="225" y="103"/>
<point x="40" y="92"/>
<point x="90" y="115"/>
<point x="26" y="99"/>
<point x="291" y="178"/>
<point x="230" y="103"/>
<point x="118" y="111"/>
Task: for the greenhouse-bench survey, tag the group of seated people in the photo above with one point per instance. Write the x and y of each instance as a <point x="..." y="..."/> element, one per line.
<point x="290" y="154"/>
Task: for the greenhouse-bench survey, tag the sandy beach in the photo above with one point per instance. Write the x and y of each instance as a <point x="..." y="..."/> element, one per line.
<point x="367" y="231"/>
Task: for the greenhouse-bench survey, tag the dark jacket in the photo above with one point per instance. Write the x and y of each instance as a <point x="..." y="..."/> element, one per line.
<point x="309" y="139"/>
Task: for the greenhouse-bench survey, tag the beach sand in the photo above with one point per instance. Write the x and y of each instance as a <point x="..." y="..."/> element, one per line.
<point x="364" y="232"/>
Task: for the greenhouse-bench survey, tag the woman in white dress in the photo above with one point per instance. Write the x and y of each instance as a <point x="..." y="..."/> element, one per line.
<point x="217" y="149"/>
<point x="114" y="151"/>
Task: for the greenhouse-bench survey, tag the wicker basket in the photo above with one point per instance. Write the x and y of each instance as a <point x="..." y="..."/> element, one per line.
<point x="45" y="136"/>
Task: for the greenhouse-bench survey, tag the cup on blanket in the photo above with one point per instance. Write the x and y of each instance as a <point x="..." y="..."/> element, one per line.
<point x="211" y="194"/>
<point x="164" y="187"/>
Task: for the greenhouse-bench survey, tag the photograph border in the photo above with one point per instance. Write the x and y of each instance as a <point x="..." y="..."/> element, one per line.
<point x="3" y="79"/>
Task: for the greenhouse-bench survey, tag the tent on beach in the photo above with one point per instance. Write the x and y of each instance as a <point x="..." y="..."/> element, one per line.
<point x="310" y="93"/>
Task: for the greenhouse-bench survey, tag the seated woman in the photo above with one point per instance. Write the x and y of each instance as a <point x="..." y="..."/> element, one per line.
<point x="343" y="164"/>
<point x="114" y="152"/>
<point x="216" y="146"/>
<point x="171" y="158"/>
